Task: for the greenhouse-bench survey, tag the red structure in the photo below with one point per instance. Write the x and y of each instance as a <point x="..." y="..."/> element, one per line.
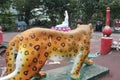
<point x="107" y="16"/>
<point x="106" y="40"/>
<point x="1" y="35"/>
<point x="107" y="31"/>
<point x="106" y="43"/>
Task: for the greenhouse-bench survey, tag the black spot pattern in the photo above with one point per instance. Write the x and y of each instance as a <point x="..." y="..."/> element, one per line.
<point x="46" y="54"/>
<point x="25" y="73"/>
<point x="35" y="60"/>
<point x="10" y="65"/>
<point x="63" y="44"/>
<point x="30" y="44"/>
<point x="58" y="38"/>
<point x="87" y="48"/>
<point x="54" y="49"/>
<point x="24" y="46"/>
<point x="37" y="47"/>
<point x="7" y="53"/>
<point x="22" y="65"/>
<point x="40" y="62"/>
<point x="85" y="41"/>
<point x="18" y="72"/>
<point x="88" y="43"/>
<point x="74" y="54"/>
<point x="21" y="38"/>
<point x="45" y="47"/>
<point x="26" y="59"/>
<point x="11" y="53"/>
<point x="29" y="65"/>
<point x="11" y="48"/>
<point x="33" y="52"/>
<point x="32" y="35"/>
<point x="75" y="50"/>
<point x="70" y="49"/>
<point x="26" y="52"/>
<point x="44" y="33"/>
<point x="70" y="55"/>
<point x="12" y="44"/>
<point x="61" y="50"/>
<point x="20" y="78"/>
<point x="73" y="43"/>
<point x="34" y="68"/>
<point x="77" y="71"/>
<point x="10" y="58"/>
<point x="55" y="55"/>
<point x="71" y="36"/>
<point x="37" y="39"/>
<point x="81" y="48"/>
<point x="49" y="44"/>
<point x="10" y="69"/>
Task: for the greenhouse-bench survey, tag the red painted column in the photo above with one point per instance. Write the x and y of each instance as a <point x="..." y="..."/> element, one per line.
<point x="106" y="40"/>
<point x="1" y="35"/>
<point x="106" y="43"/>
<point x="107" y="31"/>
<point x="107" y="16"/>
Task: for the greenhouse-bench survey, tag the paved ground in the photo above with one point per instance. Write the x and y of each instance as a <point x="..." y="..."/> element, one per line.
<point x="111" y="60"/>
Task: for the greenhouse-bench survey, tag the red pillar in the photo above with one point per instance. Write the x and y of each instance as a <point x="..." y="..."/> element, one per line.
<point x="106" y="40"/>
<point x="107" y="16"/>
<point x="1" y="35"/>
<point x="106" y="43"/>
<point x="107" y="31"/>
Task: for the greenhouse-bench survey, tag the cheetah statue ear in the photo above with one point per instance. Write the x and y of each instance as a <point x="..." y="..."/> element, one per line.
<point x="91" y="27"/>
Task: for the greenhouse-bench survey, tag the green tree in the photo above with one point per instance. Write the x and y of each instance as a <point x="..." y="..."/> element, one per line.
<point x="6" y="19"/>
<point x="88" y="8"/>
<point x="4" y="5"/>
<point x="24" y="8"/>
<point x="55" y="9"/>
<point x="115" y="6"/>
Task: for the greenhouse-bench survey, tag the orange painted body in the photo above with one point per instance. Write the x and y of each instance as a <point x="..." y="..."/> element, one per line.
<point x="37" y="45"/>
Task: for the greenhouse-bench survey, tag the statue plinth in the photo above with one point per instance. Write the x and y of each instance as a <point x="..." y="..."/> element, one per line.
<point x="87" y="73"/>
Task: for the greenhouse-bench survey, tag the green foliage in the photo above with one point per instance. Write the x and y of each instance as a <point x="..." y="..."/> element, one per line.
<point x="6" y="18"/>
<point x="24" y="7"/>
<point x="88" y="8"/>
<point x="55" y="9"/>
<point x="85" y="10"/>
<point x="115" y="6"/>
<point x="7" y="21"/>
<point x="4" y="5"/>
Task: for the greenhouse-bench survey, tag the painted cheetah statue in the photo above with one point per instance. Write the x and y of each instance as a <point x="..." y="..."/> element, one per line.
<point x="37" y="45"/>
